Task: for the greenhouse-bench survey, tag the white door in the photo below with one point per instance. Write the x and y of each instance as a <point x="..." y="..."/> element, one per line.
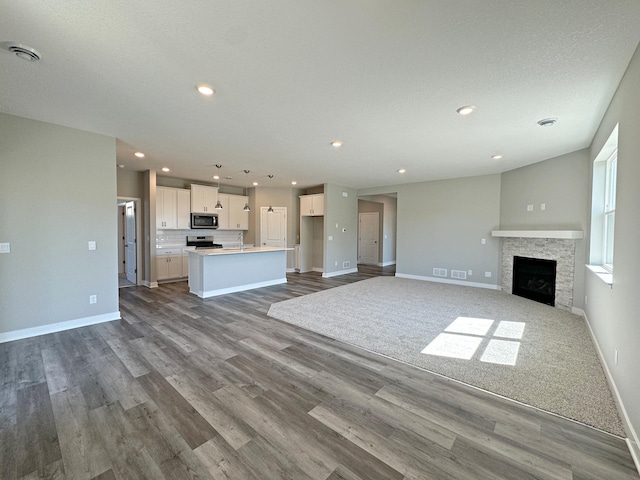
<point x="368" y="238"/>
<point x="273" y="227"/>
<point x="130" y="242"/>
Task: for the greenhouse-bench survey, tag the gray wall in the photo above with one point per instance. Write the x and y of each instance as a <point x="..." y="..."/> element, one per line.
<point x="57" y="193"/>
<point x="613" y="312"/>
<point x="343" y="212"/>
<point x="562" y="184"/>
<point x="130" y="183"/>
<point x="441" y="224"/>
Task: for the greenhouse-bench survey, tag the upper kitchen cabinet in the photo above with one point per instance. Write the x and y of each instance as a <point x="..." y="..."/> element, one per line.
<point x="203" y="199"/>
<point x="312" y="205"/>
<point x="232" y="216"/>
<point x="172" y="208"/>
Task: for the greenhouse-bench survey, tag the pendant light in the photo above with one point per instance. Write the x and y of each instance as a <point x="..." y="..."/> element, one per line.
<point x="270" y="209"/>
<point x="246" y="205"/>
<point x="218" y="204"/>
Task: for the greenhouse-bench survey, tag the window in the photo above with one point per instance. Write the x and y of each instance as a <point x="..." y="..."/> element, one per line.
<point x="609" y="210"/>
<point x="603" y="207"/>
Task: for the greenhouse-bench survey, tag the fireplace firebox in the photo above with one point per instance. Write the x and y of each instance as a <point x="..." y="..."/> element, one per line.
<point x="535" y="279"/>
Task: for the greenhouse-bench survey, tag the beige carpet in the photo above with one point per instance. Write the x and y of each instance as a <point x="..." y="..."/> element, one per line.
<point x="556" y="365"/>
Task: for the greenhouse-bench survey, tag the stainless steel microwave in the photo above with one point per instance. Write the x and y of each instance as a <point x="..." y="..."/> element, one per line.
<point x="204" y="220"/>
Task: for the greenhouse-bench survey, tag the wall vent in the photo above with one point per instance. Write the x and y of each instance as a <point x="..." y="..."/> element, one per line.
<point x="439" y="272"/>
<point x="346" y="264"/>
<point x="460" y="274"/>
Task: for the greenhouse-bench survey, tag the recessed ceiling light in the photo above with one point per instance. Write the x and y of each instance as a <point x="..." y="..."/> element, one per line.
<point x="402" y="170"/>
<point x="547" y="122"/>
<point x="216" y="177"/>
<point x="204" y="89"/>
<point x="466" y="109"/>
<point x="496" y="157"/>
<point x="255" y="184"/>
<point x="25" y="52"/>
<point x="139" y="154"/>
<point x="294" y="182"/>
<point x="165" y="169"/>
<point x="336" y="143"/>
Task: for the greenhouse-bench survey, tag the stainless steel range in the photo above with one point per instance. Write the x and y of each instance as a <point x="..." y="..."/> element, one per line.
<point x="202" y="241"/>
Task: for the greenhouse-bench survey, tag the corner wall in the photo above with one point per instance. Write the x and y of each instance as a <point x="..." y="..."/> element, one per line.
<point x="57" y="193"/>
<point x="612" y="313"/>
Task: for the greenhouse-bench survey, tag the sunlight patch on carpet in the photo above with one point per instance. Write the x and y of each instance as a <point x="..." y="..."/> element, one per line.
<point x="454" y="346"/>
<point x="502" y="352"/>
<point x="471" y="326"/>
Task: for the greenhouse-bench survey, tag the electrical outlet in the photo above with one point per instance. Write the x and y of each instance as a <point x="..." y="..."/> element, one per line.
<point x="529" y="208"/>
<point x="616" y="355"/>
<point x="483" y="241"/>
<point x="92" y="245"/>
<point x="586" y="300"/>
<point x="543" y="206"/>
<point x="5" y="248"/>
<point x="470" y="272"/>
<point x="93" y="299"/>
<point x="487" y="274"/>
<point x="335" y="264"/>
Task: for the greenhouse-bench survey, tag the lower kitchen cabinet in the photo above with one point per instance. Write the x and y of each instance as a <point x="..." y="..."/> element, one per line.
<point x="169" y="265"/>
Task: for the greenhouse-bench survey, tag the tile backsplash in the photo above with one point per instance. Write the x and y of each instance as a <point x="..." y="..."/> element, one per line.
<point x="174" y="238"/>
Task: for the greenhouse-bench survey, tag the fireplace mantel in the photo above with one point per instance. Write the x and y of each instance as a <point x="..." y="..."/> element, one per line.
<point x="561" y="234"/>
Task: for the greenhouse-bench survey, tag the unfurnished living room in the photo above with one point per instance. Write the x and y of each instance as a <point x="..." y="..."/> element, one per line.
<point x="319" y="240"/>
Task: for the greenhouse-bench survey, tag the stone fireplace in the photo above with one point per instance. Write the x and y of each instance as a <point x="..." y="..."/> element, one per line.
<point x="537" y="245"/>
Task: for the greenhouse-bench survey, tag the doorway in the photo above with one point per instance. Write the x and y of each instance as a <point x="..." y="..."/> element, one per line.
<point x="129" y="255"/>
<point x="368" y="238"/>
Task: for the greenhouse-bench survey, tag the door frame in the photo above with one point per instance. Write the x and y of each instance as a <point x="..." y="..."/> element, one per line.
<point x="138" y="210"/>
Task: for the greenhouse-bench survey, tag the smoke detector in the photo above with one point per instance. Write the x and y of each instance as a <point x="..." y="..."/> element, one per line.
<point x="24" y="52"/>
<point x="547" y="122"/>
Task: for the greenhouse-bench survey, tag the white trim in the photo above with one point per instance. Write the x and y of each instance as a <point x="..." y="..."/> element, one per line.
<point x="633" y="443"/>
<point x="317" y="269"/>
<point x="386" y="264"/>
<point x="578" y="311"/>
<point x="57" y="327"/>
<point x="562" y="234"/>
<point x="446" y="280"/>
<point x="239" y="288"/>
<point x="602" y="274"/>
<point x="339" y="272"/>
<point x="147" y="283"/>
<point x="291" y="270"/>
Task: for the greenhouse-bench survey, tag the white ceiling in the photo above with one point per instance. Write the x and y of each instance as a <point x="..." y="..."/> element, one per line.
<point x="385" y="77"/>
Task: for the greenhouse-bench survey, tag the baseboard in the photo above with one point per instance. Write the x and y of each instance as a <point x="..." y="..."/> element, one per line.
<point x="239" y="288"/>
<point x="633" y="443"/>
<point x="447" y="280"/>
<point x="339" y="272"/>
<point x="57" y="327"/>
<point x="578" y="311"/>
<point x="317" y="269"/>
<point x="291" y="270"/>
<point x="386" y="264"/>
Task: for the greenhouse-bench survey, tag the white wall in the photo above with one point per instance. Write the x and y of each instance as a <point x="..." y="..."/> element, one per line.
<point x="613" y="312"/>
<point x="57" y="193"/>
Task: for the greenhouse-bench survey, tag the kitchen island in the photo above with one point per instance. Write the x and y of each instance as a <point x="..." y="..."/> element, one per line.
<point x="215" y="272"/>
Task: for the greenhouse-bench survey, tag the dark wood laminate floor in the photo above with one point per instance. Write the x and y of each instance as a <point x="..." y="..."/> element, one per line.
<point x="214" y="389"/>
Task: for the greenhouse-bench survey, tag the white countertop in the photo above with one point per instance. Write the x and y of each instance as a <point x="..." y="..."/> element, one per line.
<point x="234" y="251"/>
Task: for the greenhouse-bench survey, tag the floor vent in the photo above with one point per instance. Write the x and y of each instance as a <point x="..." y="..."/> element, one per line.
<point x="439" y="272"/>
<point x="460" y="274"/>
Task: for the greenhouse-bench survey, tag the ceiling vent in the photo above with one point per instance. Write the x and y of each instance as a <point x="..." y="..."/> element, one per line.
<point x="22" y="51"/>
<point x="547" y="122"/>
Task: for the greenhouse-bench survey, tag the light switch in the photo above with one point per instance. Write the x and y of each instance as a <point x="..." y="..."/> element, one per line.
<point x="330" y="237"/>
<point x="345" y="194"/>
<point x="92" y="245"/>
<point x="543" y="206"/>
<point x="529" y="208"/>
<point x="483" y="241"/>
<point x="5" y="248"/>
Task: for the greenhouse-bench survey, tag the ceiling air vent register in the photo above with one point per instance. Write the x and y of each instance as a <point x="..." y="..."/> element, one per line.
<point x="22" y="51"/>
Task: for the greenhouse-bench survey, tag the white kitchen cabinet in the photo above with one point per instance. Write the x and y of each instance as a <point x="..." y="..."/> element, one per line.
<point x="232" y="216"/>
<point x="169" y="264"/>
<point x="203" y="199"/>
<point x="312" y="205"/>
<point x="173" y="207"/>
<point x="183" y="209"/>
<point x="166" y="208"/>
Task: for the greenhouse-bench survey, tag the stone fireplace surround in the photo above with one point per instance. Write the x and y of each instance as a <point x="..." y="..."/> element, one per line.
<point x="537" y="245"/>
